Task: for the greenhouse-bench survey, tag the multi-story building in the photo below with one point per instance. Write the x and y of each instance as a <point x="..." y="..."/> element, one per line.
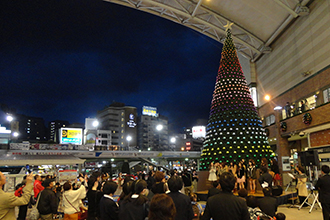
<point x="121" y="121"/>
<point x="30" y="128"/>
<point x="53" y="129"/>
<point x="152" y="130"/>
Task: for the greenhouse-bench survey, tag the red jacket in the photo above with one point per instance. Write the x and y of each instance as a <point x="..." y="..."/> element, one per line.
<point x="37" y="187"/>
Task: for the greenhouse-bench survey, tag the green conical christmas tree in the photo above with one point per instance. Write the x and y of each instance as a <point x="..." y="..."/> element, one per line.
<point x="234" y="129"/>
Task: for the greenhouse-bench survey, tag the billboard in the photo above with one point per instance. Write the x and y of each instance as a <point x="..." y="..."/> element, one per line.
<point x="151" y="111"/>
<point x="198" y="132"/>
<point x="71" y="136"/>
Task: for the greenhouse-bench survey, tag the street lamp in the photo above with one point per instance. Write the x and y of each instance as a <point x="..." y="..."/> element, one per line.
<point x="9" y="119"/>
<point x="159" y="128"/>
<point x="95" y="125"/>
<point x="128" y="138"/>
<point x="173" y="140"/>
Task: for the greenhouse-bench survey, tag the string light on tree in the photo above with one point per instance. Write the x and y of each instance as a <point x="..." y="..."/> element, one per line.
<point x="233" y="122"/>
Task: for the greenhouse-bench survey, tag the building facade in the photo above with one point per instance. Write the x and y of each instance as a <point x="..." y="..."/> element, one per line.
<point x="53" y="129"/>
<point x="153" y="132"/>
<point x="121" y="121"/>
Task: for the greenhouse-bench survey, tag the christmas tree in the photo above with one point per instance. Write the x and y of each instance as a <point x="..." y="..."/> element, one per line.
<point x="234" y="129"/>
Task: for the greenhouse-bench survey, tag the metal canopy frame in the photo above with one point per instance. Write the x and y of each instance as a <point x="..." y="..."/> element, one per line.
<point x="195" y="15"/>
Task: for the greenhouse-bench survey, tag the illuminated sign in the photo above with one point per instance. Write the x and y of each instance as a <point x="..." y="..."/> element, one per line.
<point x="151" y="111"/>
<point x="198" y="132"/>
<point x="71" y="136"/>
<point x="131" y="123"/>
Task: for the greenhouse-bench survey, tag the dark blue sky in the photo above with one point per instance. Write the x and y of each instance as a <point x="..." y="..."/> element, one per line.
<point x="66" y="59"/>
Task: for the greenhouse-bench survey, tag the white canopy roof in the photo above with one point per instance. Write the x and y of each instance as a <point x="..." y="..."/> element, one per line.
<point x="257" y="23"/>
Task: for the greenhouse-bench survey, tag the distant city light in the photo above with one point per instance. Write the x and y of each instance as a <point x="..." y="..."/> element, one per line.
<point x="10" y="118"/>
<point x="173" y="140"/>
<point x="159" y="127"/>
<point x="95" y="123"/>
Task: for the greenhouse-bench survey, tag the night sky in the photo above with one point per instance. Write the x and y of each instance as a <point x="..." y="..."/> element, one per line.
<point x="67" y="59"/>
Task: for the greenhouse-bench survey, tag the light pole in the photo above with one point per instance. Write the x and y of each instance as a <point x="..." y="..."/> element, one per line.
<point x="128" y="138"/>
<point x="159" y="128"/>
<point x="95" y="125"/>
<point x="9" y="119"/>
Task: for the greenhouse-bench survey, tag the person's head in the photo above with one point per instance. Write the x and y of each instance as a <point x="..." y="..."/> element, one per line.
<point x="140" y="186"/>
<point x="264" y="162"/>
<point x="251" y="162"/>
<point x="109" y="187"/>
<point x="267" y="191"/>
<point x="159" y="176"/>
<point x="193" y="197"/>
<point x="2" y="179"/>
<point x="175" y="183"/>
<point x="215" y="184"/>
<point x="280" y="216"/>
<point x="242" y="193"/>
<point x="300" y="168"/>
<point x="227" y="181"/>
<point x="37" y="177"/>
<point x="67" y="186"/>
<point x="325" y="169"/>
<point x="274" y="161"/>
<point x="161" y="208"/>
<point x="97" y="175"/>
<point x="264" y="169"/>
<point x="48" y="183"/>
<point x="91" y="182"/>
<point x="252" y="202"/>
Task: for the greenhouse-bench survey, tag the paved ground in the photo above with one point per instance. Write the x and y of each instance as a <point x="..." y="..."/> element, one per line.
<point x="302" y="214"/>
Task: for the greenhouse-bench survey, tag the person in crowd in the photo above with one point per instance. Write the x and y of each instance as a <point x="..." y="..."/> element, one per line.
<point x="120" y="179"/>
<point x="216" y="189"/>
<point x="302" y="106"/>
<point x="93" y="196"/>
<point x="222" y="168"/>
<point x="232" y="168"/>
<point x="287" y="109"/>
<point x="187" y="182"/>
<point x="265" y="179"/>
<point x="194" y="181"/>
<point x="253" y="207"/>
<point x="126" y="190"/>
<point x="323" y="185"/>
<point x="151" y="179"/>
<point x="160" y="185"/>
<point x="19" y="192"/>
<point x="252" y="176"/>
<point x="268" y="204"/>
<point x="48" y="202"/>
<point x="280" y="216"/>
<point x="162" y="208"/>
<point x="242" y="193"/>
<point x="37" y="185"/>
<point x="225" y="205"/>
<point x="197" y="208"/>
<point x="182" y="202"/>
<point x="8" y="201"/>
<point x="264" y="163"/>
<point x="135" y="206"/>
<point x="301" y="184"/>
<point x="72" y="200"/>
<point x="212" y="173"/>
<point x="58" y="191"/>
<point x="274" y="167"/>
<point x="240" y="173"/>
<point x="109" y="209"/>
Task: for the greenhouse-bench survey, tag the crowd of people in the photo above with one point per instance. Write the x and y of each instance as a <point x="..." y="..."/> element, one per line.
<point x="157" y="196"/>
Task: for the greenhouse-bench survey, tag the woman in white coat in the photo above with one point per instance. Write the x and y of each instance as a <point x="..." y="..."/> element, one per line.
<point x="72" y="201"/>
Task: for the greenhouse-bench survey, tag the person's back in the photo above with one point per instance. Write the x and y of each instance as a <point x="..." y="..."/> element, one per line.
<point x="182" y="202"/>
<point x="268" y="204"/>
<point x="108" y="208"/>
<point x="225" y="205"/>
